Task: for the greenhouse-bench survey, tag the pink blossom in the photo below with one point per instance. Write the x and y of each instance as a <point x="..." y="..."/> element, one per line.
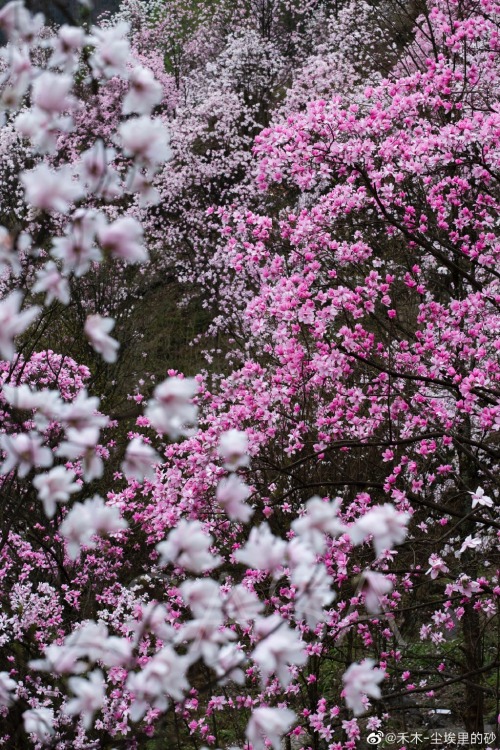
<point x="263" y="551"/>
<point x="81" y="444"/>
<point x="111" y="50"/>
<point x="7" y="686"/>
<point x="40" y="722"/>
<point x="437" y="566"/>
<point x="164" y="674"/>
<point x="87" y="519"/>
<point x="279" y="647"/>
<point x="479" y="498"/>
<point x="50" y="280"/>
<point x="319" y="519"/>
<point x="50" y="92"/>
<point x="171" y="410"/>
<point x="374" y="587"/>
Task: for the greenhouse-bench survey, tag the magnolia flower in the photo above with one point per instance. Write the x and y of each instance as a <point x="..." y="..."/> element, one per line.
<point x="470" y="543"/>
<point x="66" y="47"/>
<point x="139" y="460"/>
<point x="146" y="140"/>
<point x="50" y="280"/>
<point x="263" y="551"/>
<point x="361" y="680"/>
<point x="87" y="519"/>
<point x="55" y="487"/>
<point x="89" y="697"/>
<point x="76" y="248"/>
<point x="384" y="523"/>
<point x="437" y="566"/>
<point x="8" y="255"/>
<point x="123" y="239"/>
<point x="94" y="164"/>
<point x="188" y="545"/>
<point x="231" y="495"/>
<point x="171" y="410"/>
<point x="81" y="444"/>
<point x="202" y="596"/>
<point x="25" y="451"/>
<point x="268" y="723"/>
<point x="18" y="23"/>
<point x="82" y="413"/>
<point x="374" y="586"/>
<point x="320" y="519"/>
<point x="164" y="674"/>
<point x="145" y="92"/>
<point x="22" y="397"/>
<point x="314" y="594"/>
<point x="227" y="665"/>
<point x="40" y="722"/>
<point x="13" y="322"/>
<point x="280" y="647"/>
<point x="51" y="190"/>
<point x="112" y="50"/>
<point x="243" y="605"/>
<point x="50" y="92"/>
<point x="96" y="330"/>
<point x="7" y="685"/>
<point x="479" y="498"/>
<point x="233" y="448"/>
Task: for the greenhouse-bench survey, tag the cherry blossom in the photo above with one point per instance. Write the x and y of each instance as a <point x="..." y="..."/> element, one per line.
<point x="123" y="239"/>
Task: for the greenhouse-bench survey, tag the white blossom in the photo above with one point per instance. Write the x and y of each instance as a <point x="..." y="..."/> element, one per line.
<point x="268" y="723"/>
<point x="96" y="330"/>
<point x="233" y="448"/>
<point x="188" y="545"/>
<point x="144" y="93"/>
<point x="231" y="495"/>
<point x="387" y="526"/>
<point x="360" y="680"/>
<point x="55" y="487"/>
<point x="13" y="322"/>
